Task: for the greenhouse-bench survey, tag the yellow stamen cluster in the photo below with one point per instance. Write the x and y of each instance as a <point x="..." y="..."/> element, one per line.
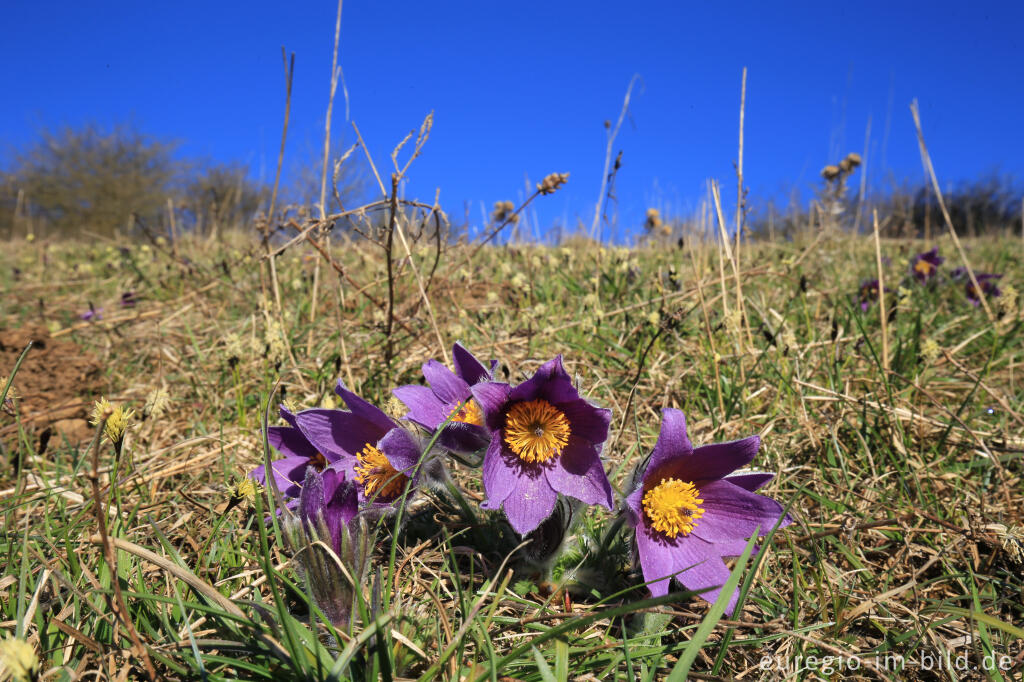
<point x="469" y="413"/>
<point x="119" y="419"/>
<point x="246" y="489"/>
<point x="377" y="476"/>
<point x="673" y="507"/>
<point x="536" y="430"/>
<point x="923" y="267"/>
<point x="18" y="659"/>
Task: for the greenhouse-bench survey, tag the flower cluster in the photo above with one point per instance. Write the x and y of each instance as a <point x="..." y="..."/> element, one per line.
<point x="925" y="269"/>
<point x="539" y="445"/>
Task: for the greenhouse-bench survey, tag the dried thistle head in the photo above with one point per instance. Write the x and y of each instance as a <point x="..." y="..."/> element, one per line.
<point x="653" y="220"/>
<point x="504" y="210"/>
<point x="552" y="182"/>
<point x="157" y="403"/>
<point x="851" y="161"/>
<point x="831" y="172"/>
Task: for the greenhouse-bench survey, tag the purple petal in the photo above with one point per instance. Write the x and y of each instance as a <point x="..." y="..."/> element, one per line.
<point x="499" y="474"/>
<point x="338" y="434"/>
<point x="341" y="505"/>
<point x="732" y="513"/>
<point x="714" y="461"/>
<point x="531" y="501"/>
<point x="468" y="367"/>
<point x="402" y="451"/>
<point x="287" y="415"/>
<point x="492" y="397"/>
<point x="672" y="442"/>
<point x="578" y="473"/>
<point x="425" y="408"/>
<point x="288" y="473"/>
<point x="289" y="441"/>
<point x="443" y="382"/>
<point x="751" y="480"/>
<point x="364" y="410"/>
<point x="587" y="422"/>
<point x="464" y="438"/>
<point x="657" y="559"/>
<point x="550" y="382"/>
<point x="635" y="503"/>
<point x="311" y="499"/>
<point x="703" y="569"/>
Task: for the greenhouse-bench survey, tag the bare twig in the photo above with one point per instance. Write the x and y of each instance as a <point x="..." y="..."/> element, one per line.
<point x="881" y="296"/>
<point x="930" y="169"/>
<point x="117" y="603"/>
<point x="612" y="133"/>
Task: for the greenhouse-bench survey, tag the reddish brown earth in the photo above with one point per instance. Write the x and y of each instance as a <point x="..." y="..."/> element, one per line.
<point x="53" y="385"/>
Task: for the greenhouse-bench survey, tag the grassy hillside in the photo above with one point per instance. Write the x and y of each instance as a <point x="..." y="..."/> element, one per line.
<point x="897" y="451"/>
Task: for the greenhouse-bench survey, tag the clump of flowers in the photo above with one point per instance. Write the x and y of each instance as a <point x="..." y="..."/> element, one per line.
<point x="986" y="281"/>
<point x="538" y="446"/>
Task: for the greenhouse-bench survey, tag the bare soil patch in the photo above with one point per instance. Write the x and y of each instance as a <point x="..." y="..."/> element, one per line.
<point x="55" y="380"/>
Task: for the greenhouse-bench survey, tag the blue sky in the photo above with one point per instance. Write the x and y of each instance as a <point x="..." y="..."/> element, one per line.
<point x="520" y="90"/>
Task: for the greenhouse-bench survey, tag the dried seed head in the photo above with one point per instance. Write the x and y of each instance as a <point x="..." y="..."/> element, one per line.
<point x="653" y="220"/>
<point x="853" y="159"/>
<point x="830" y="172"/>
<point x="504" y="210"/>
<point x="157" y="403"/>
<point x="552" y="182"/>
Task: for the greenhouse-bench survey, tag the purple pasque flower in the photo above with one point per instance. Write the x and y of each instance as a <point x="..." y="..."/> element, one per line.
<point x="986" y="280"/>
<point x="545" y="440"/>
<point x="689" y="509"/>
<point x="925" y="265"/>
<point x="867" y="293"/>
<point x="449" y="395"/>
<point x="299" y="456"/>
<point x="367" y="445"/>
<point x="92" y="314"/>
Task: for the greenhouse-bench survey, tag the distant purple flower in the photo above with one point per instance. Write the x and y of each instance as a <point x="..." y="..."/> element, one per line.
<point x="92" y="314"/>
<point x="128" y="299"/>
<point x="545" y="440"/>
<point x="689" y="512"/>
<point x="449" y="395"/>
<point x="925" y="266"/>
<point x="986" y="280"/>
<point x="867" y="294"/>
<point x="368" y="446"/>
<point x="299" y="456"/>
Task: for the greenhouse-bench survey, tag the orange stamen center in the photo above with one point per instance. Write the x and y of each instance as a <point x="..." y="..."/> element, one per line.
<point x="536" y="430"/>
<point x="468" y="412"/>
<point x="377" y="476"/>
